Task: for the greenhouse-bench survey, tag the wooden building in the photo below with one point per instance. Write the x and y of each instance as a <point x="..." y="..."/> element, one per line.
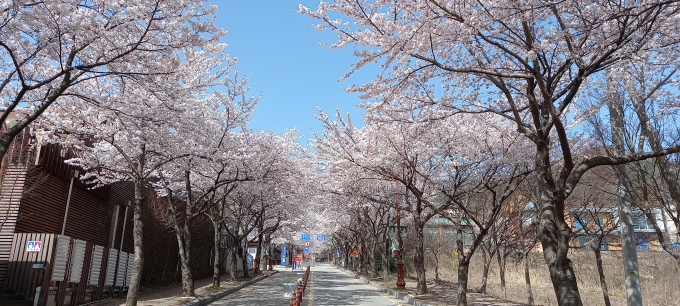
<point x="97" y="244"/>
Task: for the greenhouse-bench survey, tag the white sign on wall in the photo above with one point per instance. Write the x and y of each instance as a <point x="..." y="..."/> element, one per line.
<point x="34" y="246"/>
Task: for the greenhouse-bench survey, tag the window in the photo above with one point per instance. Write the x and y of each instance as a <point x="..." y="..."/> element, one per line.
<point x="580" y="220"/>
<point x="640" y="222"/>
<point x="643" y="244"/>
<point x="604" y="245"/>
<point x="599" y="221"/>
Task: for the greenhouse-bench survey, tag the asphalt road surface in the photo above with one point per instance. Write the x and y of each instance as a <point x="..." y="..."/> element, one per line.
<point x="326" y="286"/>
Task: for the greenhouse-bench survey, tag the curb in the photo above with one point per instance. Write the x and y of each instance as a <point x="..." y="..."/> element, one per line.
<point x="207" y="299"/>
<point x="404" y="297"/>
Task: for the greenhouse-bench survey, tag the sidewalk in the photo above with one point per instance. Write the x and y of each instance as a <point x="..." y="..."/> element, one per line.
<point x="170" y="296"/>
<point x="444" y="294"/>
<point x="440" y="295"/>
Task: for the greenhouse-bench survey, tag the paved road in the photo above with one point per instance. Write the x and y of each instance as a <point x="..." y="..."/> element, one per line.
<point x="268" y="292"/>
<point x="327" y="286"/>
<point x="331" y="286"/>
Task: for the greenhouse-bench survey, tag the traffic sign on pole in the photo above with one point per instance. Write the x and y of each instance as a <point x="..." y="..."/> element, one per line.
<point x="306" y="237"/>
<point x="307" y="243"/>
<point x="321" y="237"/>
<point x="354" y="253"/>
<point x="284" y="251"/>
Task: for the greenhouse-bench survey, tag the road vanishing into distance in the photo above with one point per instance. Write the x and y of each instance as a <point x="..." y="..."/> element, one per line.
<point x="327" y="285"/>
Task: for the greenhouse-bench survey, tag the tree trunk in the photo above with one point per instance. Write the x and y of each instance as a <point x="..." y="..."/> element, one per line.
<point x="258" y="253"/>
<point x="187" y="283"/>
<point x="137" y="234"/>
<point x="362" y="260"/>
<point x="419" y="260"/>
<point x="654" y="141"/>
<point x="216" y="264"/>
<point x="485" y="271"/>
<point x="244" y="259"/>
<point x="184" y="241"/>
<point x="600" y="271"/>
<point x="463" y="264"/>
<point x="233" y="270"/>
<point x="554" y="232"/>
<point x="187" y="275"/>
<point x="527" y="279"/>
<point x="386" y="259"/>
<point x="436" y="266"/>
<point x="374" y="261"/>
<point x="346" y="256"/>
<point x="501" y="272"/>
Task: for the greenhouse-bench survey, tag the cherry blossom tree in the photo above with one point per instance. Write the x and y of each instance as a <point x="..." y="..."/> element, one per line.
<point x="272" y="163"/>
<point x="525" y="62"/>
<point x="430" y="162"/>
<point x="122" y="141"/>
<point x="127" y="147"/>
<point x="57" y="49"/>
<point x="214" y="161"/>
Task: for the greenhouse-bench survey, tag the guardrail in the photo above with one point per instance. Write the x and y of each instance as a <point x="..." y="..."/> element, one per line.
<point x="296" y="300"/>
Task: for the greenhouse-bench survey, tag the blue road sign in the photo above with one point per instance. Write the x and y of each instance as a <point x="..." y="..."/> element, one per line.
<point x="284" y="251"/>
<point x="307" y="250"/>
<point x="306" y="237"/>
<point x="320" y="237"/>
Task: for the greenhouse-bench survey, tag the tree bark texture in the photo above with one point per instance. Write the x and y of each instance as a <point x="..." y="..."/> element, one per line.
<point x="600" y="271"/>
<point x="501" y="272"/>
<point x="233" y="270"/>
<point x="184" y="240"/>
<point x="436" y="266"/>
<point x="259" y="252"/>
<point x="485" y="272"/>
<point x="345" y="256"/>
<point x="653" y="138"/>
<point x="554" y="232"/>
<point x="419" y="260"/>
<point x="216" y="263"/>
<point x="386" y="259"/>
<point x="463" y="265"/>
<point x="244" y="258"/>
<point x="527" y="279"/>
<point x="374" y="261"/>
<point x="137" y="234"/>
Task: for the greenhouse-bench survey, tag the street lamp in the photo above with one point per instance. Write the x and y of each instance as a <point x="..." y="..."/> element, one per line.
<point x="74" y="175"/>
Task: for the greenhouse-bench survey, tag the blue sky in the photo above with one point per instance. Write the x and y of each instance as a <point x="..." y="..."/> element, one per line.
<point x="280" y="52"/>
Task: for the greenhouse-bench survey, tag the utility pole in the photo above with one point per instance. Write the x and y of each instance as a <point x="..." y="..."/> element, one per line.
<point x="630" y="262"/>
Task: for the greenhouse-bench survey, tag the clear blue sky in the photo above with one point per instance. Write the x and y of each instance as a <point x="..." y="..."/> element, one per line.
<point x="280" y="52"/>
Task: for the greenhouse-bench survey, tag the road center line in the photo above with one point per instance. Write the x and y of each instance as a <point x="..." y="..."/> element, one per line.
<point x="310" y="300"/>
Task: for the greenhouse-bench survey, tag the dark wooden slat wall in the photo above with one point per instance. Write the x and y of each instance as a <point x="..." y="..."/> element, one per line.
<point x="51" y="159"/>
<point x="89" y="218"/>
<point x="13" y="185"/>
<point x="22" y="278"/>
<point x="42" y="210"/>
